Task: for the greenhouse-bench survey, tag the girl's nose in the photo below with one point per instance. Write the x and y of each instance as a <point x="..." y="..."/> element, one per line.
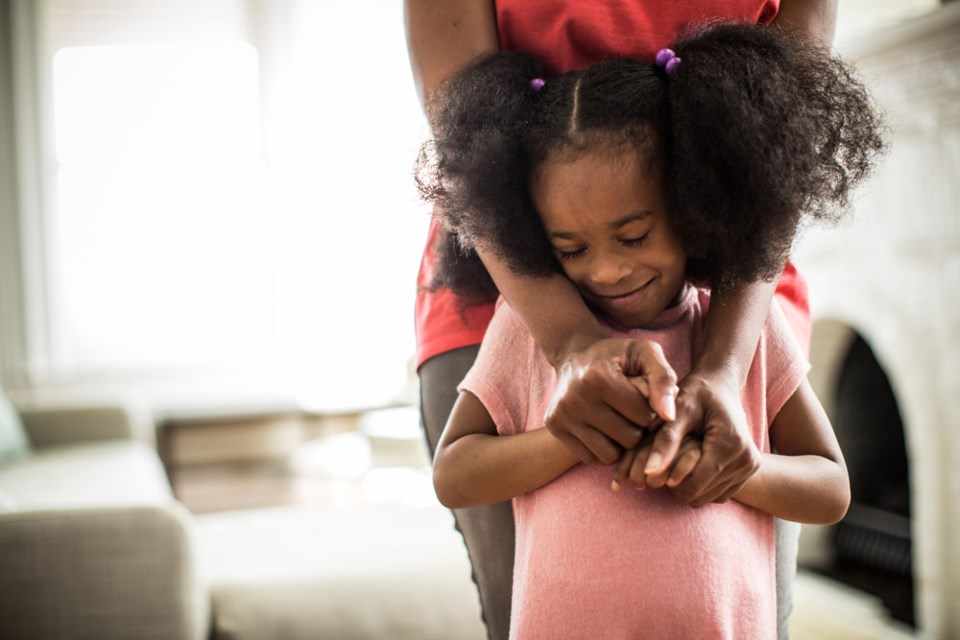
<point x="609" y="269"/>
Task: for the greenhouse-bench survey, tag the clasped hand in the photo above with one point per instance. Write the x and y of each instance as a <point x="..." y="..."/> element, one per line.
<point x="619" y="402"/>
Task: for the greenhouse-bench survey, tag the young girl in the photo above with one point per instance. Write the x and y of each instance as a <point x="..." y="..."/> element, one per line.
<point x="639" y="182"/>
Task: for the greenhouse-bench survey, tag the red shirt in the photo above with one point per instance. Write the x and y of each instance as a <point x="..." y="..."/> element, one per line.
<point x="570" y="35"/>
<point x="566" y="35"/>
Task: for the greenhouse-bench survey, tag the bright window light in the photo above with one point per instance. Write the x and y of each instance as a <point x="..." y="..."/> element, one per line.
<point x="161" y="242"/>
<point x="344" y="129"/>
<point x="248" y="213"/>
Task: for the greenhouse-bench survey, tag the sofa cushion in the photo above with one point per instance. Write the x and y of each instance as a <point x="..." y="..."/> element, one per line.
<point x="361" y="573"/>
<point x="113" y="573"/>
<point x="88" y="475"/>
<point x="13" y="440"/>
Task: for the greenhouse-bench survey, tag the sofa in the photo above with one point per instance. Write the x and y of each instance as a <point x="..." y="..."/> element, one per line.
<point x="92" y="542"/>
<point x="94" y="545"/>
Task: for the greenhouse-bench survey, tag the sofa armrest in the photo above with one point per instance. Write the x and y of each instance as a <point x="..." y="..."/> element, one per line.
<point x="111" y="573"/>
<point x="51" y="427"/>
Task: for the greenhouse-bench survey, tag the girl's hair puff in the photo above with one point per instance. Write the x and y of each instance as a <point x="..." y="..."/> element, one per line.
<point x="475" y="171"/>
<point x="766" y="130"/>
<point x="753" y="131"/>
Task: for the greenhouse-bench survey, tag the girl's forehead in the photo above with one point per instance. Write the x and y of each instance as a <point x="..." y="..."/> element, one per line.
<point x="615" y="147"/>
<point x="595" y="186"/>
<point x="610" y="158"/>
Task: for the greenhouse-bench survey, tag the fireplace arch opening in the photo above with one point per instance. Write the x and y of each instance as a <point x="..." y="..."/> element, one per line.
<point x="871" y="548"/>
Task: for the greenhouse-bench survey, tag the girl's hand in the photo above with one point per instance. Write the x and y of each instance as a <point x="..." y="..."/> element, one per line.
<point x="597" y="412"/>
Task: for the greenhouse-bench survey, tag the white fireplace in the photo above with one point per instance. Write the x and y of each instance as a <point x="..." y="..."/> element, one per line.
<point x="891" y="275"/>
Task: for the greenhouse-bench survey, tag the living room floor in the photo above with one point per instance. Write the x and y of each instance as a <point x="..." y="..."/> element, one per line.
<point x="334" y="465"/>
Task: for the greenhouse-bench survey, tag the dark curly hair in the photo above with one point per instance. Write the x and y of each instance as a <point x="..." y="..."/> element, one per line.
<point x="754" y="132"/>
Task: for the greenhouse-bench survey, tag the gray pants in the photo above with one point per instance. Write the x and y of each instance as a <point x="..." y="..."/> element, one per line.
<point x="488" y="532"/>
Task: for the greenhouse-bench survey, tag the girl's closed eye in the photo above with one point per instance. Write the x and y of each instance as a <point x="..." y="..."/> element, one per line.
<point x="636" y="242"/>
<point x="569" y="254"/>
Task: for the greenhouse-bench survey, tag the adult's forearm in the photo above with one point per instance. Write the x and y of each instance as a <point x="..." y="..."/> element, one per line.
<point x="816" y="19"/>
<point x="551" y="307"/>
<point x="443" y="36"/>
<point x="733" y="329"/>
<point x="736" y="317"/>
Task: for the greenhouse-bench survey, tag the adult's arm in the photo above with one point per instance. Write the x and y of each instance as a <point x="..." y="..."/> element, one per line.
<point x="444" y="36"/>
<point x="709" y="401"/>
<point x="709" y="395"/>
<point x="604" y="410"/>
<point x="815" y="19"/>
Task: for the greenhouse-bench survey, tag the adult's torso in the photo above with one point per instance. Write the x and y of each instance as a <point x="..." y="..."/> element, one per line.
<point x="567" y="35"/>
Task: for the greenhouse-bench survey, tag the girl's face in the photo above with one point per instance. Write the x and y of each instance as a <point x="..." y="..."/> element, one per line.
<point x="606" y="217"/>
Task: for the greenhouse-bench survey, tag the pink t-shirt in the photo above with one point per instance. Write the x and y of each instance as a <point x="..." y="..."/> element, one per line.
<point x="594" y="563"/>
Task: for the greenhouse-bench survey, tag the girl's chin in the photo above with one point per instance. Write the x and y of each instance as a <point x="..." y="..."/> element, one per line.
<point x="624" y="320"/>
<point x="636" y="316"/>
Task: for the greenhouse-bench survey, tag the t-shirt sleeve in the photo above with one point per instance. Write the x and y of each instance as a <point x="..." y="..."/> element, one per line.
<point x="786" y="365"/>
<point x="502" y="373"/>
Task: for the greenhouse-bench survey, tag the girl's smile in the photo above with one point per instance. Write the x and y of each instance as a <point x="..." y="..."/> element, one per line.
<point x="626" y="300"/>
<point x="605" y="215"/>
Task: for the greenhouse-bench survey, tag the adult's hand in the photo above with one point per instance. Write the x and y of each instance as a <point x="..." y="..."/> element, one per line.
<point x="632" y="464"/>
<point x="712" y="410"/>
<point x="597" y="412"/>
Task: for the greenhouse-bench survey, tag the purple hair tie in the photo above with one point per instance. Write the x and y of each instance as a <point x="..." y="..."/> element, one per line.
<point x="667" y="60"/>
<point x="537" y="83"/>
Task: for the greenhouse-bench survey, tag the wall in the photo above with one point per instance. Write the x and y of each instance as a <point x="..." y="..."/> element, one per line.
<point x="892" y="273"/>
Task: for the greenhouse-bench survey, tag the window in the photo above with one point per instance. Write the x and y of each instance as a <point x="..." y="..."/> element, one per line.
<point x="225" y="194"/>
<point x="160" y="223"/>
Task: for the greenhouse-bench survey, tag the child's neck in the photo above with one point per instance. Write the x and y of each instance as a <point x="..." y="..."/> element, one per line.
<point x="652" y="324"/>
<point x="681" y="292"/>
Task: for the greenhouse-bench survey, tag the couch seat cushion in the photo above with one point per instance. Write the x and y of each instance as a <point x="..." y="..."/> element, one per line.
<point x="87" y="475"/>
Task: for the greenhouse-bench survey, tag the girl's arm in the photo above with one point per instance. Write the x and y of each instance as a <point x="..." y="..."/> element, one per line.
<point x="475" y="466"/>
<point x="806" y="480"/>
